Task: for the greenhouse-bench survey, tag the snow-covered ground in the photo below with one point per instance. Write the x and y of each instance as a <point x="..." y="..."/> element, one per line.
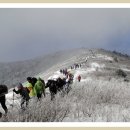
<point x="54" y="76"/>
<point x="105" y="57"/>
<point x="125" y="69"/>
<point x="86" y="115"/>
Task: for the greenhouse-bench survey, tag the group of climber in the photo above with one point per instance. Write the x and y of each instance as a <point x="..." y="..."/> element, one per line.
<point x="64" y="71"/>
<point x="69" y="76"/>
<point x="75" y="66"/>
<point x="35" y="87"/>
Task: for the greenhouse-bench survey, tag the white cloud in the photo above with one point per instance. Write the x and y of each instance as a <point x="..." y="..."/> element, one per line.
<point x="37" y="28"/>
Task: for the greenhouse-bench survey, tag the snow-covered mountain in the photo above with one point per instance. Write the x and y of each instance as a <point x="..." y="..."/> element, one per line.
<point x="102" y="94"/>
<point x="14" y="72"/>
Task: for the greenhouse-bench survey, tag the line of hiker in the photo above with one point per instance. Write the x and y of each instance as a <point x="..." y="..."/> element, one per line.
<point x="34" y="88"/>
<point x="64" y="71"/>
<point x="68" y="76"/>
<point x="75" y="66"/>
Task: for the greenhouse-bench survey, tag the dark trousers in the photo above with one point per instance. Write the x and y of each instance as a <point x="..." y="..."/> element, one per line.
<point x="24" y="101"/>
<point x="2" y="102"/>
<point x="39" y="96"/>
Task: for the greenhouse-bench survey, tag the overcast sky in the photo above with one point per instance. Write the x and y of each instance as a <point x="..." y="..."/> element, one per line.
<point x="28" y="33"/>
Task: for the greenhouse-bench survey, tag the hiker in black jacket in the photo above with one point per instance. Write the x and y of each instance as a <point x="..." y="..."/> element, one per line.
<point x="2" y="102"/>
<point x="3" y="91"/>
<point x="24" y="95"/>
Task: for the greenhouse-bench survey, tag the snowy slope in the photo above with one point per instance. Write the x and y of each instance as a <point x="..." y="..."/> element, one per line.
<point x="52" y="74"/>
<point x="98" y="66"/>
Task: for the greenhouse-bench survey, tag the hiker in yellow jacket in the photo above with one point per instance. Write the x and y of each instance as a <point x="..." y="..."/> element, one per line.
<point x="30" y="87"/>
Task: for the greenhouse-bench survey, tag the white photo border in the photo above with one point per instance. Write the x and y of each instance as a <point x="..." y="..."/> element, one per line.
<point x="64" y="5"/>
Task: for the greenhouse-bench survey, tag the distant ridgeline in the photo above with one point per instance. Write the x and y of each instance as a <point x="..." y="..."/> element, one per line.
<point x="121" y="54"/>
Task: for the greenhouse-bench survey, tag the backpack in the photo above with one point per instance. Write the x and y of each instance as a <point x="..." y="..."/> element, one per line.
<point x="27" y="89"/>
<point x="3" y="90"/>
<point x="42" y="81"/>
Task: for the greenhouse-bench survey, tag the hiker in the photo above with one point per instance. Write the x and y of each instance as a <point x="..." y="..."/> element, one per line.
<point x="75" y="66"/>
<point x="33" y="82"/>
<point x="30" y="87"/>
<point x="2" y="102"/>
<point x="42" y="81"/>
<point x="3" y="91"/>
<point x="61" y="71"/>
<point x="79" y="78"/>
<point x="24" y="95"/>
<point x="39" y="87"/>
<point x="52" y="88"/>
<point x="70" y="78"/>
<point x="65" y="72"/>
<point x="67" y="86"/>
<point x="60" y="83"/>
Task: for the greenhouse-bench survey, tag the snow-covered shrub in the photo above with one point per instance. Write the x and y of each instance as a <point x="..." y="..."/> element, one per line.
<point x="41" y="111"/>
<point x="121" y="73"/>
<point x="88" y="101"/>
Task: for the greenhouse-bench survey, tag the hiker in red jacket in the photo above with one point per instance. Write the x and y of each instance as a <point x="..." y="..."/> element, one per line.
<point x="79" y="78"/>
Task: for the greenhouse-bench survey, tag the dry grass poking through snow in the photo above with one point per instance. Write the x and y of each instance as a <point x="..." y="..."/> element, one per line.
<point x="98" y="100"/>
<point x="91" y="101"/>
<point x="41" y="111"/>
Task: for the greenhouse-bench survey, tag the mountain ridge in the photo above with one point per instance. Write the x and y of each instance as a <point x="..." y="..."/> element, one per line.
<point x="14" y="72"/>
